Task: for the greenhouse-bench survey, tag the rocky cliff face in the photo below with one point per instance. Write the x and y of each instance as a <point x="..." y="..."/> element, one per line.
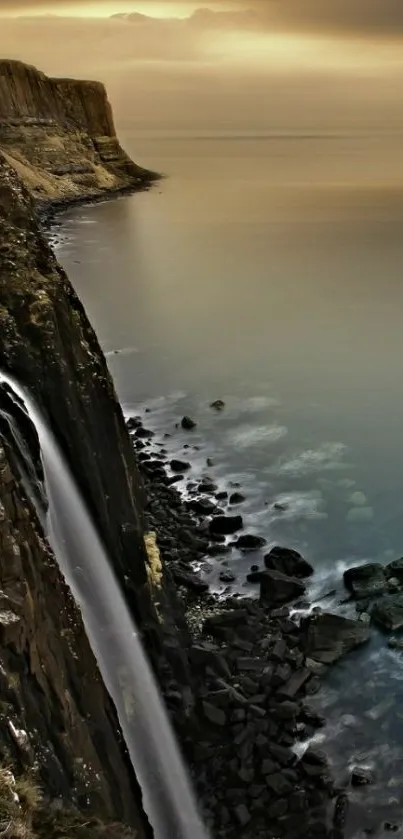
<point x="60" y="136"/>
<point x="55" y="715"/>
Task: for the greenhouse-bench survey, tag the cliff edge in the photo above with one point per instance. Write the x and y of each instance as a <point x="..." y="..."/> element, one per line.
<point x="60" y="137"/>
<point x="61" y="750"/>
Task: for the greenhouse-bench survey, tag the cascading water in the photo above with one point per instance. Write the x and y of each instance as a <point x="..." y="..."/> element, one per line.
<point x="114" y="638"/>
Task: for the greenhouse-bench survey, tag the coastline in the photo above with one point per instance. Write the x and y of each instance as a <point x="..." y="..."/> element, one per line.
<point x="255" y="670"/>
<point x="48" y="210"/>
<point x="284" y="787"/>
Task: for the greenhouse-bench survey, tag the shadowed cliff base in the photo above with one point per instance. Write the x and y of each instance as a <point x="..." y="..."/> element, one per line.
<point x="60" y="137"/>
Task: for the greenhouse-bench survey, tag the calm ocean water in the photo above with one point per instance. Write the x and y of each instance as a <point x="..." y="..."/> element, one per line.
<point x="269" y="272"/>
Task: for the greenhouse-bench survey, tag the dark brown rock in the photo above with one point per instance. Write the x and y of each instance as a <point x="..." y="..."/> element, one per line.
<point x="236" y="498"/>
<point x="288" y="562"/>
<point x="365" y="581"/>
<point x="250" y="542"/>
<point x="278" y="588"/>
<point x="179" y="465"/>
<point x="327" y="637"/>
<point x="188" y="423"/>
<point x="388" y="612"/>
<point x="225" y="525"/>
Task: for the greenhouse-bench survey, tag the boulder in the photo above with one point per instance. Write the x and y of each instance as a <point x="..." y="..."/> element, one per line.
<point x="227" y="576"/>
<point x="242" y="815"/>
<point x="250" y="542"/>
<point x="254" y="576"/>
<point x="388" y="612"/>
<point x="187" y="423"/>
<point x="218" y="550"/>
<point x="179" y="465"/>
<point x="207" y="485"/>
<point x="278" y="588"/>
<point x="218" y="405"/>
<point x="214" y="715"/>
<point x="367" y="580"/>
<point x="184" y="576"/>
<point x="201" y="506"/>
<point x="236" y="498"/>
<point x="278" y="784"/>
<point x="143" y="432"/>
<point x="361" y="777"/>
<point x="327" y="637"/>
<point x="287" y="562"/>
<point x="225" y="525"/>
<point x="395" y="569"/>
<point x="133" y="423"/>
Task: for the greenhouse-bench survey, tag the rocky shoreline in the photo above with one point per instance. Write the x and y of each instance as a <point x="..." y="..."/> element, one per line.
<point x="255" y="664"/>
<point x="50" y="211"/>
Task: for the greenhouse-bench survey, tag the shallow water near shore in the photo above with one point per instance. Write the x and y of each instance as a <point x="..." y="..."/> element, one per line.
<point x="268" y="274"/>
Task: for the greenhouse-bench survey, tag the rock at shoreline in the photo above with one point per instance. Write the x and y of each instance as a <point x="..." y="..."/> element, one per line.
<point x="327" y="637"/>
<point x="236" y="498"/>
<point x="207" y="485"/>
<point x="218" y="405"/>
<point x="250" y="542"/>
<point x="225" y="525"/>
<point x="145" y="433"/>
<point x="361" y="777"/>
<point x="179" y="465"/>
<point x="255" y="574"/>
<point x="367" y="580"/>
<point x="277" y="588"/>
<point x="395" y="569"/>
<point x="187" y="423"/>
<point x="227" y="576"/>
<point x="201" y="506"/>
<point x="388" y="612"/>
<point x="184" y="576"/>
<point x="288" y="562"/>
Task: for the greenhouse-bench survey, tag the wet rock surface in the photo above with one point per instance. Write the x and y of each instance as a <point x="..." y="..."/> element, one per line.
<point x="366" y="580"/>
<point x="328" y="637"/>
<point x="388" y="612"/>
<point x="253" y="671"/>
<point x="287" y="561"/>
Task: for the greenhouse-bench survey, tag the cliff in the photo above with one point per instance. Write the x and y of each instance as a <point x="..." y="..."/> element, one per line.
<point x="60" y="137"/>
<point x="57" y="722"/>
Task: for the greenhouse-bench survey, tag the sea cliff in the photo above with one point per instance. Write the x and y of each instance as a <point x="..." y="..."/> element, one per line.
<point x="60" y="137"/>
<point x="236" y="676"/>
<point x="58" y="728"/>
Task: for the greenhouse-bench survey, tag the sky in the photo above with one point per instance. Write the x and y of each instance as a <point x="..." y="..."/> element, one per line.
<point x="223" y="65"/>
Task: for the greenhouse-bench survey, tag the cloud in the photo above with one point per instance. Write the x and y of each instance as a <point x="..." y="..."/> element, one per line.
<point x="377" y="18"/>
<point x="217" y="68"/>
<point x="365" y="19"/>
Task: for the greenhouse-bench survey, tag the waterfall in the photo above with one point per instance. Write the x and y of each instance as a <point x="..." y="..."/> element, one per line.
<point x="167" y="796"/>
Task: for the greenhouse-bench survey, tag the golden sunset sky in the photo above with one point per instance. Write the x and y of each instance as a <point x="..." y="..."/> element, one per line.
<point x="223" y="64"/>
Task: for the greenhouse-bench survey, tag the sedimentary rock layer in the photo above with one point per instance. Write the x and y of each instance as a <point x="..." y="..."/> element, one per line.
<point x="59" y="134"/>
